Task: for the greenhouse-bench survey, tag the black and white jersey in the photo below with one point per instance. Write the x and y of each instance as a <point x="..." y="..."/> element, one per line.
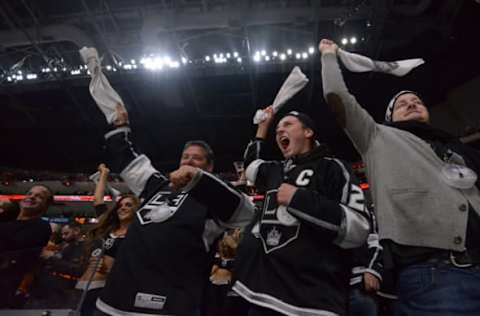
<point x="162" y="265"/>
<point x="296" y="259"/>
<point x="368" y="258"/>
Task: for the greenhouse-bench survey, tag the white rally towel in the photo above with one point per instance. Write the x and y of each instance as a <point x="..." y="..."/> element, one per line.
<point x="359" y="63"/>
<point x="102" y="92"/>
<point x="295" y="82"/>
<point x="95" y="177"/>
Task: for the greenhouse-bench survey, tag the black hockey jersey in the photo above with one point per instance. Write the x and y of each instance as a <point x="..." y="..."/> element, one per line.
<point x="368" y="258"/>
<point x="161" y="267"/>
<point x="296" y="259"/>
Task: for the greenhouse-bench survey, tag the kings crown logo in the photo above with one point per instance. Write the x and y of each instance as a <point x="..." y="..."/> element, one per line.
<point x="273" y="237"/>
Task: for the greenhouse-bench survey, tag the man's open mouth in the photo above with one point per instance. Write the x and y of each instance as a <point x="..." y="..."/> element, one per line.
<point x="284" y="142"/>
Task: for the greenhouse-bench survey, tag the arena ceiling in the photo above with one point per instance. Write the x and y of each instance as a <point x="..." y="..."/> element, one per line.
<point x="52" y="123"/>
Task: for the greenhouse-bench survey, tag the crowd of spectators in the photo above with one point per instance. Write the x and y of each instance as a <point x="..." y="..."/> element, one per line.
<point x="190" y="243"/>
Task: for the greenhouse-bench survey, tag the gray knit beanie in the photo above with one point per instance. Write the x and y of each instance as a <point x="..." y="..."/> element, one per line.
<point x="391" y="104"/>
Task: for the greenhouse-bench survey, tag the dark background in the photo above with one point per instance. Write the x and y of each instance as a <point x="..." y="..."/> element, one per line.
<point x="53" y="123"/>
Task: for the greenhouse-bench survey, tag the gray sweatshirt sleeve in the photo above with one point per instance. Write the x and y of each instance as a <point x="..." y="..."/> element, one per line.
<point x="358" y="124"/>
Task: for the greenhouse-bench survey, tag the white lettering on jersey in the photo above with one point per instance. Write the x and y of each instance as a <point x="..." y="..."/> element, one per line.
<point x="303" y="178"/>
<point x="356" y="199"/>
<point x="161" y="206"/>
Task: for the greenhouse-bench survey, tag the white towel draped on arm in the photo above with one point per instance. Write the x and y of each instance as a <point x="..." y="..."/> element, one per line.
<point x="102" y="92"/>
<point x="295" y="82"/>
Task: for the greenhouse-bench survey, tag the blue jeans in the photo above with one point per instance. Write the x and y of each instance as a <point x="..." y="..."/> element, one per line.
<point x="438" y="290"/>
<point x="362" y="304"/>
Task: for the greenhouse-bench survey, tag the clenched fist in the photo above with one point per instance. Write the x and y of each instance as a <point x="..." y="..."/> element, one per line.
<point x="285" y="193"/>
<point x="327" y="46"/>
<point x="371" y="282"/>
<point x="182" y="176"/>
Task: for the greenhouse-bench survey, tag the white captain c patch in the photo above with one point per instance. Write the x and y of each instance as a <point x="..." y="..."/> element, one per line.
<point x="304" y="177"/>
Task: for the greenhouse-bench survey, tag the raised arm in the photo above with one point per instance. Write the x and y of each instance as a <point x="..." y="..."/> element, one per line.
<point x="134" y="168"/>
<point x="254" y="156"/>
<point x="358" y="124"/>
<point x="101" y="185"/>
<point x="255" y="149"/>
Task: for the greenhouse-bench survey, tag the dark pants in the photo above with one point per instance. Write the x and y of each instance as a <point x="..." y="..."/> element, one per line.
<point x="362" y="303"/>
<point x="89" y="304"/>
<point x="438" y="290"/>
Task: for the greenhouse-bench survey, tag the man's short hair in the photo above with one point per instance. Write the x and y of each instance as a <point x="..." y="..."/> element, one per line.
<point x="200" y="143"/>
<point x="51" y="197"/>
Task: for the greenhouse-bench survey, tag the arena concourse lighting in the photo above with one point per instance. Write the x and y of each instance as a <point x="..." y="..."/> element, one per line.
<point x="156" y="62"/>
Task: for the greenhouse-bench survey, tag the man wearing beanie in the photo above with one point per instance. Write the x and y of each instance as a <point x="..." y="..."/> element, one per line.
<point x="294" y="258"/>
<point x="426" y="195"/>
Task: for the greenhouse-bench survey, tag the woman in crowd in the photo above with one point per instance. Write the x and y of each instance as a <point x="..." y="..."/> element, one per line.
<point x="103" y="240"/>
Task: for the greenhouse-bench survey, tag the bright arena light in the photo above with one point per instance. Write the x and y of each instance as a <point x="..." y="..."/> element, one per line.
<point x="174" y="64"/>
<point x="159" y="62"/>
<point x="156" y="63"/>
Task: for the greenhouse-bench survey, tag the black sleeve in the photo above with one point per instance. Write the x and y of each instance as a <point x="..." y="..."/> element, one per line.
<point x="255" y="150"/>
<point x="23" y="235"/>
<point x="368" y="258"/>
<point x="71" y="263"/>
<point x="134" y="168"/>
<point x="223" y="201"/>
<point x="257" y="170"/>
<point x="340" y="214"/>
